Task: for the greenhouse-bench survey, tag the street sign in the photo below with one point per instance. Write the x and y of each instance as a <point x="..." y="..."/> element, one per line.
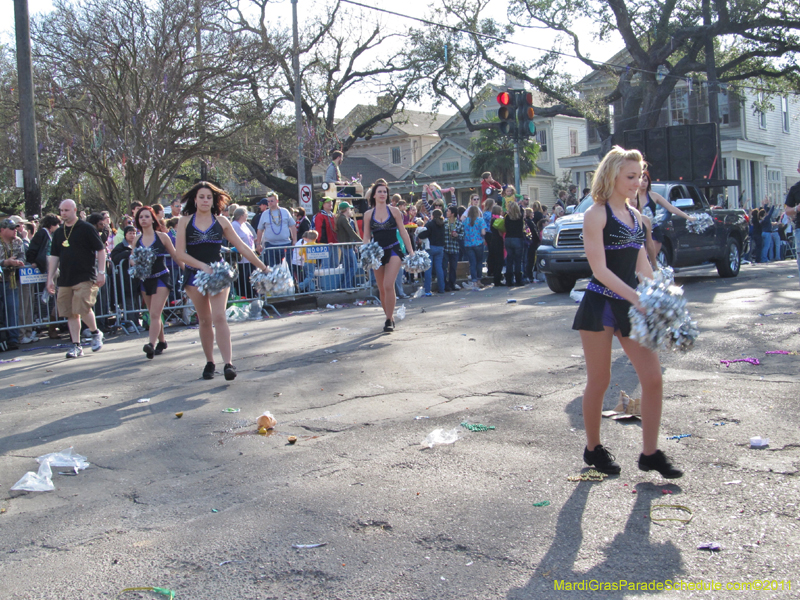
<point x="305" y="198"/>
<point x="316" y="252"/>
<point x="32" y="275"/>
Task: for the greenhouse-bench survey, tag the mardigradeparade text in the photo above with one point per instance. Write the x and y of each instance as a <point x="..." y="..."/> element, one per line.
<point x="593" y="585"/>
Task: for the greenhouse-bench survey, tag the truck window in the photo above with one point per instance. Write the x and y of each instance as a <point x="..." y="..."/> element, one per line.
<point x="694" y="194"/>
<point x="676" y="193"/>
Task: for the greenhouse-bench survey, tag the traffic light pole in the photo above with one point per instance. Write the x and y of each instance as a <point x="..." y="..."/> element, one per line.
<point x="517" y="182"/>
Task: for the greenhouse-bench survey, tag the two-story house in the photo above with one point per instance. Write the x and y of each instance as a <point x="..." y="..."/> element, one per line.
<point x="389" y="150"/>
<point x="449" y="161"/>
<point x="760" y="149"/>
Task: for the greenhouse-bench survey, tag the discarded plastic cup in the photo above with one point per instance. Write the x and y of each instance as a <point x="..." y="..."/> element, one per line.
<point x="759" y="442"/>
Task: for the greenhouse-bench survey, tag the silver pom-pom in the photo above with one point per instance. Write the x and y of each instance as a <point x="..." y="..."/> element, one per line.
<point x="260" y="281"/>
<point x="703" y="222"/>
<point x="418" y="263"/>
<point x="143" y="258"/>
<point x="665" y="323"/>
<point x="370" y="256"/>
<point x="277" y="281"/>
<point x="222" y="276"/>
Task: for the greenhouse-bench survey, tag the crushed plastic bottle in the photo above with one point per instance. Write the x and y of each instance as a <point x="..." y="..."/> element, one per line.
<point x="401" y="312"/>
<point x="419" y="293"/>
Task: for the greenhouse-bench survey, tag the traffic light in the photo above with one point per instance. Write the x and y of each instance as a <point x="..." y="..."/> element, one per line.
<point x="525" y="122"/>
<point x="507" y="112"/>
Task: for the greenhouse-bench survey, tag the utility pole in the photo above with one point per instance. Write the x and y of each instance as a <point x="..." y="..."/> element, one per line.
<point x="201" y="101"/>
<point x="517" y="142"/>
<point x="298" y="108"/>
<point x="27" y="116"/>
<point x="711" y="67"/>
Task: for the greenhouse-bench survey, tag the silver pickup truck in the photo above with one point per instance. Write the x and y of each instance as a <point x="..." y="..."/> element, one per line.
<point x="563" y="261"/>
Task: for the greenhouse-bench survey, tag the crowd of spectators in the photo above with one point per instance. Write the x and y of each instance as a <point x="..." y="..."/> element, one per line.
<point x="496" y="234"/>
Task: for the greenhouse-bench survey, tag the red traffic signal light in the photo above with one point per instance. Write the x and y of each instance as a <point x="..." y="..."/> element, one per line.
<point x="507" y="113"/>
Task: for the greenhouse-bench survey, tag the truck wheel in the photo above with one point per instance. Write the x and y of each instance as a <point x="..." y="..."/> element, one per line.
<point x="729" y="265"/>
<point x="560" y="284"/>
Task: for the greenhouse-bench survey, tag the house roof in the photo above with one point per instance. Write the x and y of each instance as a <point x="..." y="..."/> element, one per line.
<point x="490" y="91"/>
<point x="353" y="166"/>
<point x="405" y="122"/>
<point x="417" y="169"/>
<point x="421" y="123"/>
<point x="620" y="59"/>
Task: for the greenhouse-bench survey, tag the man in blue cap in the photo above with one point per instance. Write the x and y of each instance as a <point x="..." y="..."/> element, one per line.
<point x="262" y="204"/>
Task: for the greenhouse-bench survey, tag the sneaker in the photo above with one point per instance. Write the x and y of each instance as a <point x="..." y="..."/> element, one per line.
<point x="160" y="347"/>
<point x="97" y="341"/>
<point x="86" y="334"/>
<point x="601" y="459"/>
<point x="76" y="351"/>
<point x="659" y="462"/>
<point x="428" y="294"/>
<point x="27" y="339"/>
<point x="230" y="372"/>
<point x="457" y="287"/>
<point x="388" y="326"/>
<point x="208" y="371"/>
<point x="149" y="351"/>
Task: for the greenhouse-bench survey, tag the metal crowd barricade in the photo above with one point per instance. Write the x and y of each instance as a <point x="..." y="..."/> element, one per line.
<point x="28" y="306"/>
<point x="316" y="269"/>
<point x="319" y="269"/>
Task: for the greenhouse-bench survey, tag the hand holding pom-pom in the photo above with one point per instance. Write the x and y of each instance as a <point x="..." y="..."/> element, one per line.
<point x="370" y="256"/>
<point x="143" y="258"/>
<point x="418" y="263"/>
<point x="665" y="322"/>
<point x="700" y="224"/>
<point x="275" y="281"/>
<point x="221" y="276"/>
<point x="261" y="282"/>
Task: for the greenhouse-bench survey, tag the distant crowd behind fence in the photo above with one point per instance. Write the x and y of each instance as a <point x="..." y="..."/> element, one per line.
<point x="316" y="269"/>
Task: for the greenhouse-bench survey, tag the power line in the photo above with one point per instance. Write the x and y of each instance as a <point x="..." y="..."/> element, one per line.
<point x="528" y="46"/>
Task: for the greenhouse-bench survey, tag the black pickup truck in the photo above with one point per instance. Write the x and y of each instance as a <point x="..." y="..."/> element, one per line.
<point x="562" y="260"/>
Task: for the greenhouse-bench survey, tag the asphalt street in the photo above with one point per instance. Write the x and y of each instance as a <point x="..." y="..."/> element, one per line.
<point x="206" y="507"/>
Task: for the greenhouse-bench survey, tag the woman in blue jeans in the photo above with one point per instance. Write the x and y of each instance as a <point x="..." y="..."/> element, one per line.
<point x="474" y="230"/>
<point x="434" y="233"/>
<point x="767" y="251"/>
<point x="514" y="242"/>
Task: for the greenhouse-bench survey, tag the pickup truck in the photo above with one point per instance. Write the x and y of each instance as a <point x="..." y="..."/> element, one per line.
<point x="562" y="260"/>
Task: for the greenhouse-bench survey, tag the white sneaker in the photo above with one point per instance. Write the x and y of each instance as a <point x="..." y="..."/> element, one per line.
<point x="86" y="334"/>
<point x="76" y="352"/>
<point x="97" y="341"/>
<point x="457" y="287"/>
<point x="27" y="340"/>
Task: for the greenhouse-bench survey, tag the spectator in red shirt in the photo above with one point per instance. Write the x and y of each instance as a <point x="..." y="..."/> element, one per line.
<point x="487" y="183"/>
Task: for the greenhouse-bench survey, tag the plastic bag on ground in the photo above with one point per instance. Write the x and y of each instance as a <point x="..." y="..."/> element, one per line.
<point x="254" y="310"/>
<point x="65" y="458"/>
<point x="236" y="314"/>
<point x="36" y="482"/>
<point x="440" y="436"/>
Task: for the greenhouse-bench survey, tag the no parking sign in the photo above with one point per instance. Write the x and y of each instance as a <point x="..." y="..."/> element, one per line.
<point x="305" y="198"/>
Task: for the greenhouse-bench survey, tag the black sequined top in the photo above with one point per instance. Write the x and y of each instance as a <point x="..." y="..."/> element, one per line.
<point x="204" y="245"/>
<point x="622" y="245"/>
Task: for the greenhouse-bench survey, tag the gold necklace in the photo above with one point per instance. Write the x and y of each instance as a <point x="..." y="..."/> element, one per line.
<point x="65" y="243"/>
